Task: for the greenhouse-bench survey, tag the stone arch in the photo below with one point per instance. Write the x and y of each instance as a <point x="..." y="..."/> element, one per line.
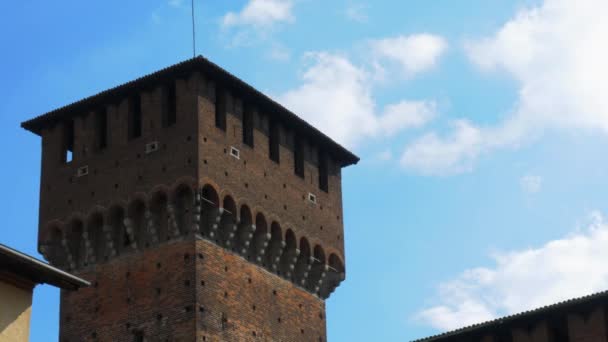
<point x="245" y="230"/>
<point x="210" y="212"/>
<point x="228" y="223"/>
<point x="183" y="209"/>
<point x="290" y="255"/>
<point x="52" y="247"/>
<point x="75" y="243"/>
<point x="276" y="246"/>
<point x="335" y="275"/>
<point x="136" y="219"/>
<point x="121" y="238"/>
<point x="158" y="223"/>
<point x="318" y="270"/>
<point x="97" y="237"/>
<point x="259" y="243"/>
<point x="304" y="263"/>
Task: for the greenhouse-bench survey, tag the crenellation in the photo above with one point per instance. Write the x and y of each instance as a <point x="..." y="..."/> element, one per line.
<point x="181" y="233"/>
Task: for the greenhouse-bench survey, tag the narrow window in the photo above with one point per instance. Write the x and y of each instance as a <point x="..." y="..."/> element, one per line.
<point x="273" y="141"/>
<point x="298" y="157"/>
<point x="170" y="106"/>
<point x="134" y="119"/>
<point x="68" y="142"/>
<point x="248" y="126"/>
<point x="220" y="109"/>
<point x="101" y="129"/>
<point x="138" y="336"/>
<point x="323" y="172"/>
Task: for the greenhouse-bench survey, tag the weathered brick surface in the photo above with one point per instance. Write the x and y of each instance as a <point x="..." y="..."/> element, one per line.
<point x="131" y="225"/>
<point x="185" y="288"/>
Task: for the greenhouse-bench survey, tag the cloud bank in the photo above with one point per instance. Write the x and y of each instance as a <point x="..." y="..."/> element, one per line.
<point x="521" y="280"/>
<point x="556" y="53"/>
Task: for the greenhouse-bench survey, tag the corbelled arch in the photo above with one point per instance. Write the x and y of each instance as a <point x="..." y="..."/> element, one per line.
<point x="290" y="255"/>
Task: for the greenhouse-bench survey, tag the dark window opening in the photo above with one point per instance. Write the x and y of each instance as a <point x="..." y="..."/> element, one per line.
<point x="298" y="157"/>
<point x="134" y="120"/>
<point x="248" y="126"/>
<point x="273" y="141"/>
<point x="323" y="172"/>
<point x="101" y="126"/>
<point x="68" y="142"/>
<point x="170" y="106"/>
<point x="138" y="336"/>
<point x="220" y="109"/>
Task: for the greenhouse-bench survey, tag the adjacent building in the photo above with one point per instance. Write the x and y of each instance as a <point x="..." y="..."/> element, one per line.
<point x="19" y="274"/>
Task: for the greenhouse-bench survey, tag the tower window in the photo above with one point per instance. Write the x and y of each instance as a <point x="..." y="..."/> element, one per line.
<point x="220" y="109"/>
<point x="68" y="142"/>
<point x="101" y="128"/>
<point x="248" y="126"/>
<point x="138" y="336"/>
<point x="298" y="157"/>
<point x="134" y="119"/>
<point x="170" y="106"/>
<point x="273" y="142"/>
<point x="323" y="172"/>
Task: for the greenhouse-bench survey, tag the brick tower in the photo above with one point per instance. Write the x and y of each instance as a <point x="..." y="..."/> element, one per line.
<point x="199" y="209"/>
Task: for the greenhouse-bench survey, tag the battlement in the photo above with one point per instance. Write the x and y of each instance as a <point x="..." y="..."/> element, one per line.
<point x="190" y="154"/>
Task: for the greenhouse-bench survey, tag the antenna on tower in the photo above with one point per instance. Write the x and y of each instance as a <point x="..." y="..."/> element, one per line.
<point x="193" y="33"/>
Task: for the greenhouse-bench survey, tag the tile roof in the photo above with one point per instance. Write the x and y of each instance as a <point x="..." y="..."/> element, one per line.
<point x="199" y="63"/>
<point x="566" y="305"/>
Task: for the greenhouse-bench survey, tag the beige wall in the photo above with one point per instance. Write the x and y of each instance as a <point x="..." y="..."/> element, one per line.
<point x="15" y="311"/>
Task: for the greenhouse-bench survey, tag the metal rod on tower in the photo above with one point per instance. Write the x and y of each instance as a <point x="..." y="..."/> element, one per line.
<point x="193" y="32"/>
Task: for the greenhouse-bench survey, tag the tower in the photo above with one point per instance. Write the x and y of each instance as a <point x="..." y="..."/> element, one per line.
<point x="199" y="209"/>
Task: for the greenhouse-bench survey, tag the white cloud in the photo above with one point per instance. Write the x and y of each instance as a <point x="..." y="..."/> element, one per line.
<point x="357" y="12"/>
<point x="556" y="52"/>
<point x="336" y="96"/>
<point x="561" y="269"/>
<point x="433" y="155"/>
<point x="261" y="14"/>
<point x="412" y="54"/>
<point x="531" y="184"/>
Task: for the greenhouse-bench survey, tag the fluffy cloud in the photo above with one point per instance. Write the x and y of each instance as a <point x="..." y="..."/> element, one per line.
<point x="531" y="184"/>
<point x="433" y="155"/>
<point x="561" y="269"/>
<point x="556" y="53"/>
<point x="412" y="54"/>
<point x="261" y="14"/>
<point x="336" y="96"/>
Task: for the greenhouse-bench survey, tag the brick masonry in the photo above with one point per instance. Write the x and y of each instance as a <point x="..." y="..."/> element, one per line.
<point x="189" y="243"/>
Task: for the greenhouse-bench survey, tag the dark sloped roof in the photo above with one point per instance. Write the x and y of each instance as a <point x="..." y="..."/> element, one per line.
<point x="28" y="267"/>
<point x="569" y="305"/>
<point x="341" y="154"/>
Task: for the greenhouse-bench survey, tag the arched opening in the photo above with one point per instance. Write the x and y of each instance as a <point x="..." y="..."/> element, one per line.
<point x="53" y="249"/>
<point x="260" y="240"/>
<point x="245" y="231"/>
<point x="275" y="247"/>
<point x="97" y="237"/>
<point x="122" y="240"/>
<point x="159" y="216"/>
<point x="137" y="210"/>
<point x="76" y="243"/>
<point x="228" y="222"/>
<point x="318" y="270"/>
<point x="290" y="255"/>
<point x="184" y="207"/>
<point x="210" y="208"/>
<point x="335" y="275"/>
<point x="303" y="264"/>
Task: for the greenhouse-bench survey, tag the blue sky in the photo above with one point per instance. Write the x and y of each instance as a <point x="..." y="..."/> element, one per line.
<point x="482" y="127"/>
